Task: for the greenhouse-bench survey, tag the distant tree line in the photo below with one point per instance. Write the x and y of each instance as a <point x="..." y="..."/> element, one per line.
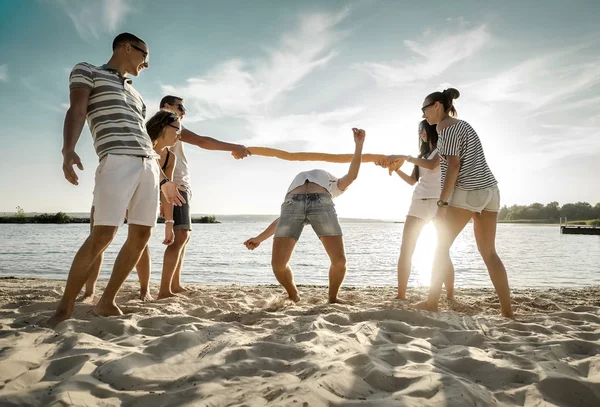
<point x="551" y="212"/>
<point x="60" y="217"/>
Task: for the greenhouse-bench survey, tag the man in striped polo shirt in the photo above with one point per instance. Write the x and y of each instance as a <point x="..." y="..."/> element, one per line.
<point x="128" y="177"/>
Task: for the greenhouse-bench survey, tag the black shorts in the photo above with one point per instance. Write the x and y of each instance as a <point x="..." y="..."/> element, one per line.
<point x="182" y="215"/>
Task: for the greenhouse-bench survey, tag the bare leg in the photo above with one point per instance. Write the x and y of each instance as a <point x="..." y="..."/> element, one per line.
<point x="94" y="246"/>
<point x="143" y="271"/>
<point x="90" y="284"/>
<point x="170" y="260"/>
<point x="184" y="236"/>
<point x="449" y="282"/>
<point x="448" y="227"/>
<point x="137" y="239"/>
<point x="484" y="226"/>
<point x="410" y="235"/>
<point x="283" y="247"/>
<point x="334" y="246"/>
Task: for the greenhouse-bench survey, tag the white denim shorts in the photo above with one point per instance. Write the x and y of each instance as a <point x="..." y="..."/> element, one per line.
<point x="126" y="183"/>
<point x="478" y="200"/>
<point x="423" y="208"/>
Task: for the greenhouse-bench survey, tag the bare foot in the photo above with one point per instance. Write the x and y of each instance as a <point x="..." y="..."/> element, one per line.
<point x="162" y="295"/>
<point x="401" y="297"/>
<point x="337" y="301"/>
<point x="508" y="314"/>
<point x="178" y="289"/>
<point x="295" y="298"/>
<point x="426" y="306"/>
<point x="145" y="296"/>
<point x="106" y="310"/>
<point x="87" y="298"/>
<point x="56" y="319"/>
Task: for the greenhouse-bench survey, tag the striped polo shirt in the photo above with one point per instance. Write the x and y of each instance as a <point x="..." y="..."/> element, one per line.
<point x="461" y="140"/>
<point x="115" y="112"/>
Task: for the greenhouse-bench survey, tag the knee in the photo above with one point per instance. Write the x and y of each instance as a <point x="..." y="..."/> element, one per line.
<point x="487" y="253"/>
<point x="182" y="237"/>
<point x="102" y="235"/>
<point x="339" y="261"/>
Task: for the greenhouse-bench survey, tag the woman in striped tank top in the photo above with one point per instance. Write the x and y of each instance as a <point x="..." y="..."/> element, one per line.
<point x="469" y="191"/>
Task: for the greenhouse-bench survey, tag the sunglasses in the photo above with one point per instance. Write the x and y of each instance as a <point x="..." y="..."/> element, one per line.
<point x="181" y="108"/>
<point x="144" y="53"/>
<point x="177" y="128"/>
<point x="426" y="106"/>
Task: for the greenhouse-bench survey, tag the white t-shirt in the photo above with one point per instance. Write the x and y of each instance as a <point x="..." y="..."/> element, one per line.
<point x="430" y="181"/>
<point x="181" y="173"/>
<point x="319" y="177"/>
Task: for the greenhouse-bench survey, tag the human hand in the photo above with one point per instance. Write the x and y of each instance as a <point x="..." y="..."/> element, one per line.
<point x="252" y="243"/>
<point x="240" y="151"/>
<point x="171" y="192"/>
<point x="359" y="136"/>
<point x="70" y="158"/>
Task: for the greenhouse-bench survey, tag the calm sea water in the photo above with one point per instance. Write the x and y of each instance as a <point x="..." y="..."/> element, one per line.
<point x="535" y="256"/>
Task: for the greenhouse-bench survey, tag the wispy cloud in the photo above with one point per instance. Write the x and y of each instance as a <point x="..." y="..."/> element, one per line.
<point x="4" y="72"/>
<point x="93" y="18"/>
<point x="321" y="131"/>
<point x="435" y="53"/>
<point x="543" y="81"/>
<point x="238" y="87"/>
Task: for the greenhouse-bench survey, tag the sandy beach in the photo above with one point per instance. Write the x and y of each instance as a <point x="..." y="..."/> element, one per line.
<point x="247" y="346"/>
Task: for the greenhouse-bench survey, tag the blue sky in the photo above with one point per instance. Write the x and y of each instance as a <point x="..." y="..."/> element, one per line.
<point x="299" y="75"/>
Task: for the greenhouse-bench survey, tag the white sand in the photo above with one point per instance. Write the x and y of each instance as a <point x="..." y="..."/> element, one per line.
<point x="245" y="346"/>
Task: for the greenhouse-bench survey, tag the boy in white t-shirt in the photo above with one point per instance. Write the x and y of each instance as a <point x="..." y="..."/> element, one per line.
<point x="309" y="201"/>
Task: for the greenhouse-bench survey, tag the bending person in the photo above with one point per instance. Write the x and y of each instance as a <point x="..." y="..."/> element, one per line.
<point x="309" y="200"/>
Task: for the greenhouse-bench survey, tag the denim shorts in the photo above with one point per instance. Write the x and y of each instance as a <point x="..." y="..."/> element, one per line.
<point x="317" y="210"/>
<point x="182" y="214"/>
<point x="478" y="200"/>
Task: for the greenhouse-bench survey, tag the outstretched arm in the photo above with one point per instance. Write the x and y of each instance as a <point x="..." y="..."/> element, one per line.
<point x="350" y="177"/>
<point x="430" y="164"/>
<point x="254" y="242"/>
<point x="209" y="143"/>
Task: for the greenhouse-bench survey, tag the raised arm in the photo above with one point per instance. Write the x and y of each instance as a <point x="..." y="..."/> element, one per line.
<point x="254" y="242"/>
<point x="350" y="177"/>
<point x="74" y="122"/>
<point x="209" y="143"/>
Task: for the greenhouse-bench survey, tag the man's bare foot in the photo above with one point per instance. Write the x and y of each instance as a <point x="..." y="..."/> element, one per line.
<point x="87" y="298"/>
<point x="56" y="319"/>
<point x="178" y="289"/>
<point x="162" y="295"/>
<point x="145" y="296"/>
<point x="401" y="297"/>
<point x="106" y="310"/>
<point x="337" y="301"/>
<point x="426" y="306"/>
<point x="295" y="298"/>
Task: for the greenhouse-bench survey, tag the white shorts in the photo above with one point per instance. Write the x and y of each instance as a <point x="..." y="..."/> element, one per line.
<point x="478" y="200"/>
<point x="423" y="208"/>
<point x="126" y="183"/>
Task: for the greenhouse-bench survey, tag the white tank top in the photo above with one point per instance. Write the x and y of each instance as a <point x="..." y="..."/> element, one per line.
<point x="181" y="173"/>
<point x="430" y="181"/>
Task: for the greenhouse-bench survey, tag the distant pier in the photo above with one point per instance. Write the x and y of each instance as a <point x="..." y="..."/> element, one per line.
<point x="566" y="229"/>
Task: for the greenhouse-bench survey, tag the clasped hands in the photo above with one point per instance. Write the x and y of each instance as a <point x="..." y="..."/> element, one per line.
<point x="392" y="162"/>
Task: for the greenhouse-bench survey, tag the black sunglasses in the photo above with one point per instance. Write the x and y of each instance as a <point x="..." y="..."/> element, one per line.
<point x="181" y="108"/>
<point x="177" y="128"/>
<point x="426" y="106"/>
<point x="144" y="53"/>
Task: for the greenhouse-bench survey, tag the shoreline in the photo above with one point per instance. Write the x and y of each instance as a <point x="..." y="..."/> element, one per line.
<point x="247" y="346"/>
